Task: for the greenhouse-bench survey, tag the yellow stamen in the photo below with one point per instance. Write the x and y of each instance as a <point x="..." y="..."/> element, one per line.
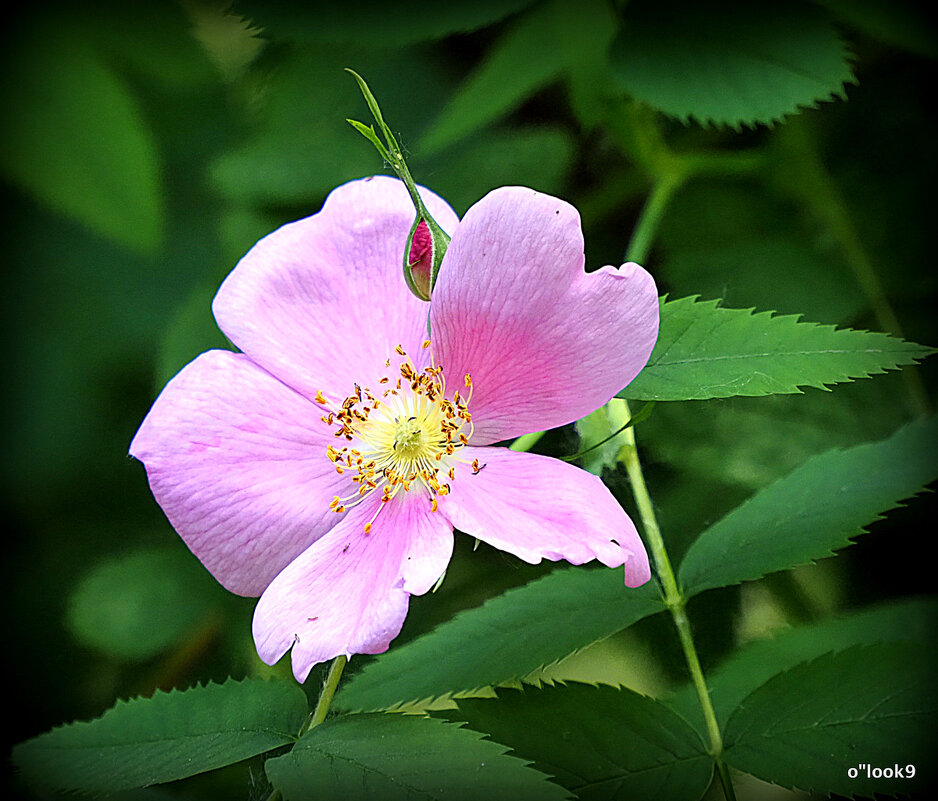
<point x="401" y="440"/>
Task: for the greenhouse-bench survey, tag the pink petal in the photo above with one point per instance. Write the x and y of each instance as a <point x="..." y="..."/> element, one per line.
<point x="321" y="303"/>
<point x="237" y="460"/>
<point x="348" y="592"/>
<point x="545" y="342"/>
<point x="537" y="507"/>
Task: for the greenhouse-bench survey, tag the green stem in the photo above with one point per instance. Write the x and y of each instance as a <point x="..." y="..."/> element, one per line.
<point x="526" y="441"/>
<point x="638" y="248"/>
<point x="651" y="215"/>
<point x="325" y="697"/>
<point x="675" y="601"/>
<point x="322" y="706"/>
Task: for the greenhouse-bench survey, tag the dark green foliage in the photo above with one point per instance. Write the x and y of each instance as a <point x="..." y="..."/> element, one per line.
<point x="404" y="757"/>
<point x="600" y="742"/>
<point x="808" y="726"/>
<point x="704" y="351"/>
<point x="523" y="630"/>
<point x="167" y="737"/>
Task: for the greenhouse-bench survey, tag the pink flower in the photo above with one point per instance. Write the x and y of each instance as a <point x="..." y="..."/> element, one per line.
<point x="325" y="467"/>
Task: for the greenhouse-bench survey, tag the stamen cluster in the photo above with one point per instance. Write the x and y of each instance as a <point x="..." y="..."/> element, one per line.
<point x="406" y="435"/>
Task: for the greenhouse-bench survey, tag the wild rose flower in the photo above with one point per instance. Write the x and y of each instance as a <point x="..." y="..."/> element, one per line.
<point x="325" y="466"/>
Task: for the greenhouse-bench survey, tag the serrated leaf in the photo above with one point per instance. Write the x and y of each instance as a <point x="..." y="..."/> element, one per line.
<point x="520" y="62"/>
<point x="167" y="737"/>
<point x="137" y="605"/>
<point x="814" y="510"/>
<point x="806" y="727"/>
<point x="74" y="138"/>
<point x="598" y="741"/>
<point x="407" y="22"/>
<point x="505" y="639"/>
<point x="754" y="664"/>
<point x="403" y="757"/>
<point x="704" y="351"/>
<point x="726" y="62"/>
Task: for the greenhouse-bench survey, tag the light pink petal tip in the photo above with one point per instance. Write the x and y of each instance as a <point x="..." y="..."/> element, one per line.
<point x="321" y="302"/>
<point x="537" y="507"/>
<point x="545" y="342"/>
<point x="348" y="592"/>
<point x="236" y="459"/>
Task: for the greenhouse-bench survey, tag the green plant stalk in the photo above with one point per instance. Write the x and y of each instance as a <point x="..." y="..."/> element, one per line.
<point x="329" y="687"/>
<point x="651" y="215"/>
<point x="526" y="441"/>
<point x="675" y="601"/>
<point x="639" y="246"/>
<point x="318" y="715"/>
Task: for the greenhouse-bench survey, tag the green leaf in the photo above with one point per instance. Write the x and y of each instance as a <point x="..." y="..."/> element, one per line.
<point x="74" y="138"/>
<point x="403" y="757"/>
<point x="505" y="639"/>
<point x="727" y="62"/>
<point x="704" y="351"/>
<point x="408" y="21"/>
<point x="167" y="737"/>
<point x="806" y="727"/>
<point x="138" y="605"/>
<point x="598" y="741"/>
<point x="814" y="510"/>
<point x="514" y="67"/>
<point x="906" y="621"/>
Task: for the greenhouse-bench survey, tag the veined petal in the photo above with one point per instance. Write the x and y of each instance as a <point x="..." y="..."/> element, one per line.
<point x="537" y="507"/>
<point x="545" y="342"/>
<point x="237" y="460"/>
<point x="321" y="302"/>
<point x="348" y="592"/>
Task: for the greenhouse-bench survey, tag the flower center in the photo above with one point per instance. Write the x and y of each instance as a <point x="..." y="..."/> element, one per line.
<point x="403" y="436"/>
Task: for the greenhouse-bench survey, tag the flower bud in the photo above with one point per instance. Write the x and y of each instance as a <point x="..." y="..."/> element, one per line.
<point x="423" y="255"/>
<point x="420" y="259"/>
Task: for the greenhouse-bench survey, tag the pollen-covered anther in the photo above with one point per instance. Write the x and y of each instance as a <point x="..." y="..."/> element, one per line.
<point x="403" y="439"/>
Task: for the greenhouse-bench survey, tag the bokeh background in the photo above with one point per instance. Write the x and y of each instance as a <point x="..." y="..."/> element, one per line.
<point x="146" y="146"/>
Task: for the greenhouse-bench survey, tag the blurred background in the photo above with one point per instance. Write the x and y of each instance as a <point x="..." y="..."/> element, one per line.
<point x="146" y="146"/>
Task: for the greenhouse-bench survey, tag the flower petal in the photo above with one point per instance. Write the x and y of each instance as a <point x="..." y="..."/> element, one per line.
<point x="237" y="461"/>
<point x="321" y="302"/>
<point x="348" y="592"/>
<point x="537" y="507"/>
<point x="545" y="342"/>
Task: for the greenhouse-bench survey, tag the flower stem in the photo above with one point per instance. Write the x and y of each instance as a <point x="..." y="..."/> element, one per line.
<point x="638" y="248"/>
<point x="526" y="441"/>
<point x="650" y="218"/>
<point x="325" y="696"/>
<point x="675" y="601"/>
<point x="322" y="706"/>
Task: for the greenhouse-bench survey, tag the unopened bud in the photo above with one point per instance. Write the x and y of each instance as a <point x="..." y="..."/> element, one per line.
<point x="419" y="262"/>
<point x="423" y="255"/>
